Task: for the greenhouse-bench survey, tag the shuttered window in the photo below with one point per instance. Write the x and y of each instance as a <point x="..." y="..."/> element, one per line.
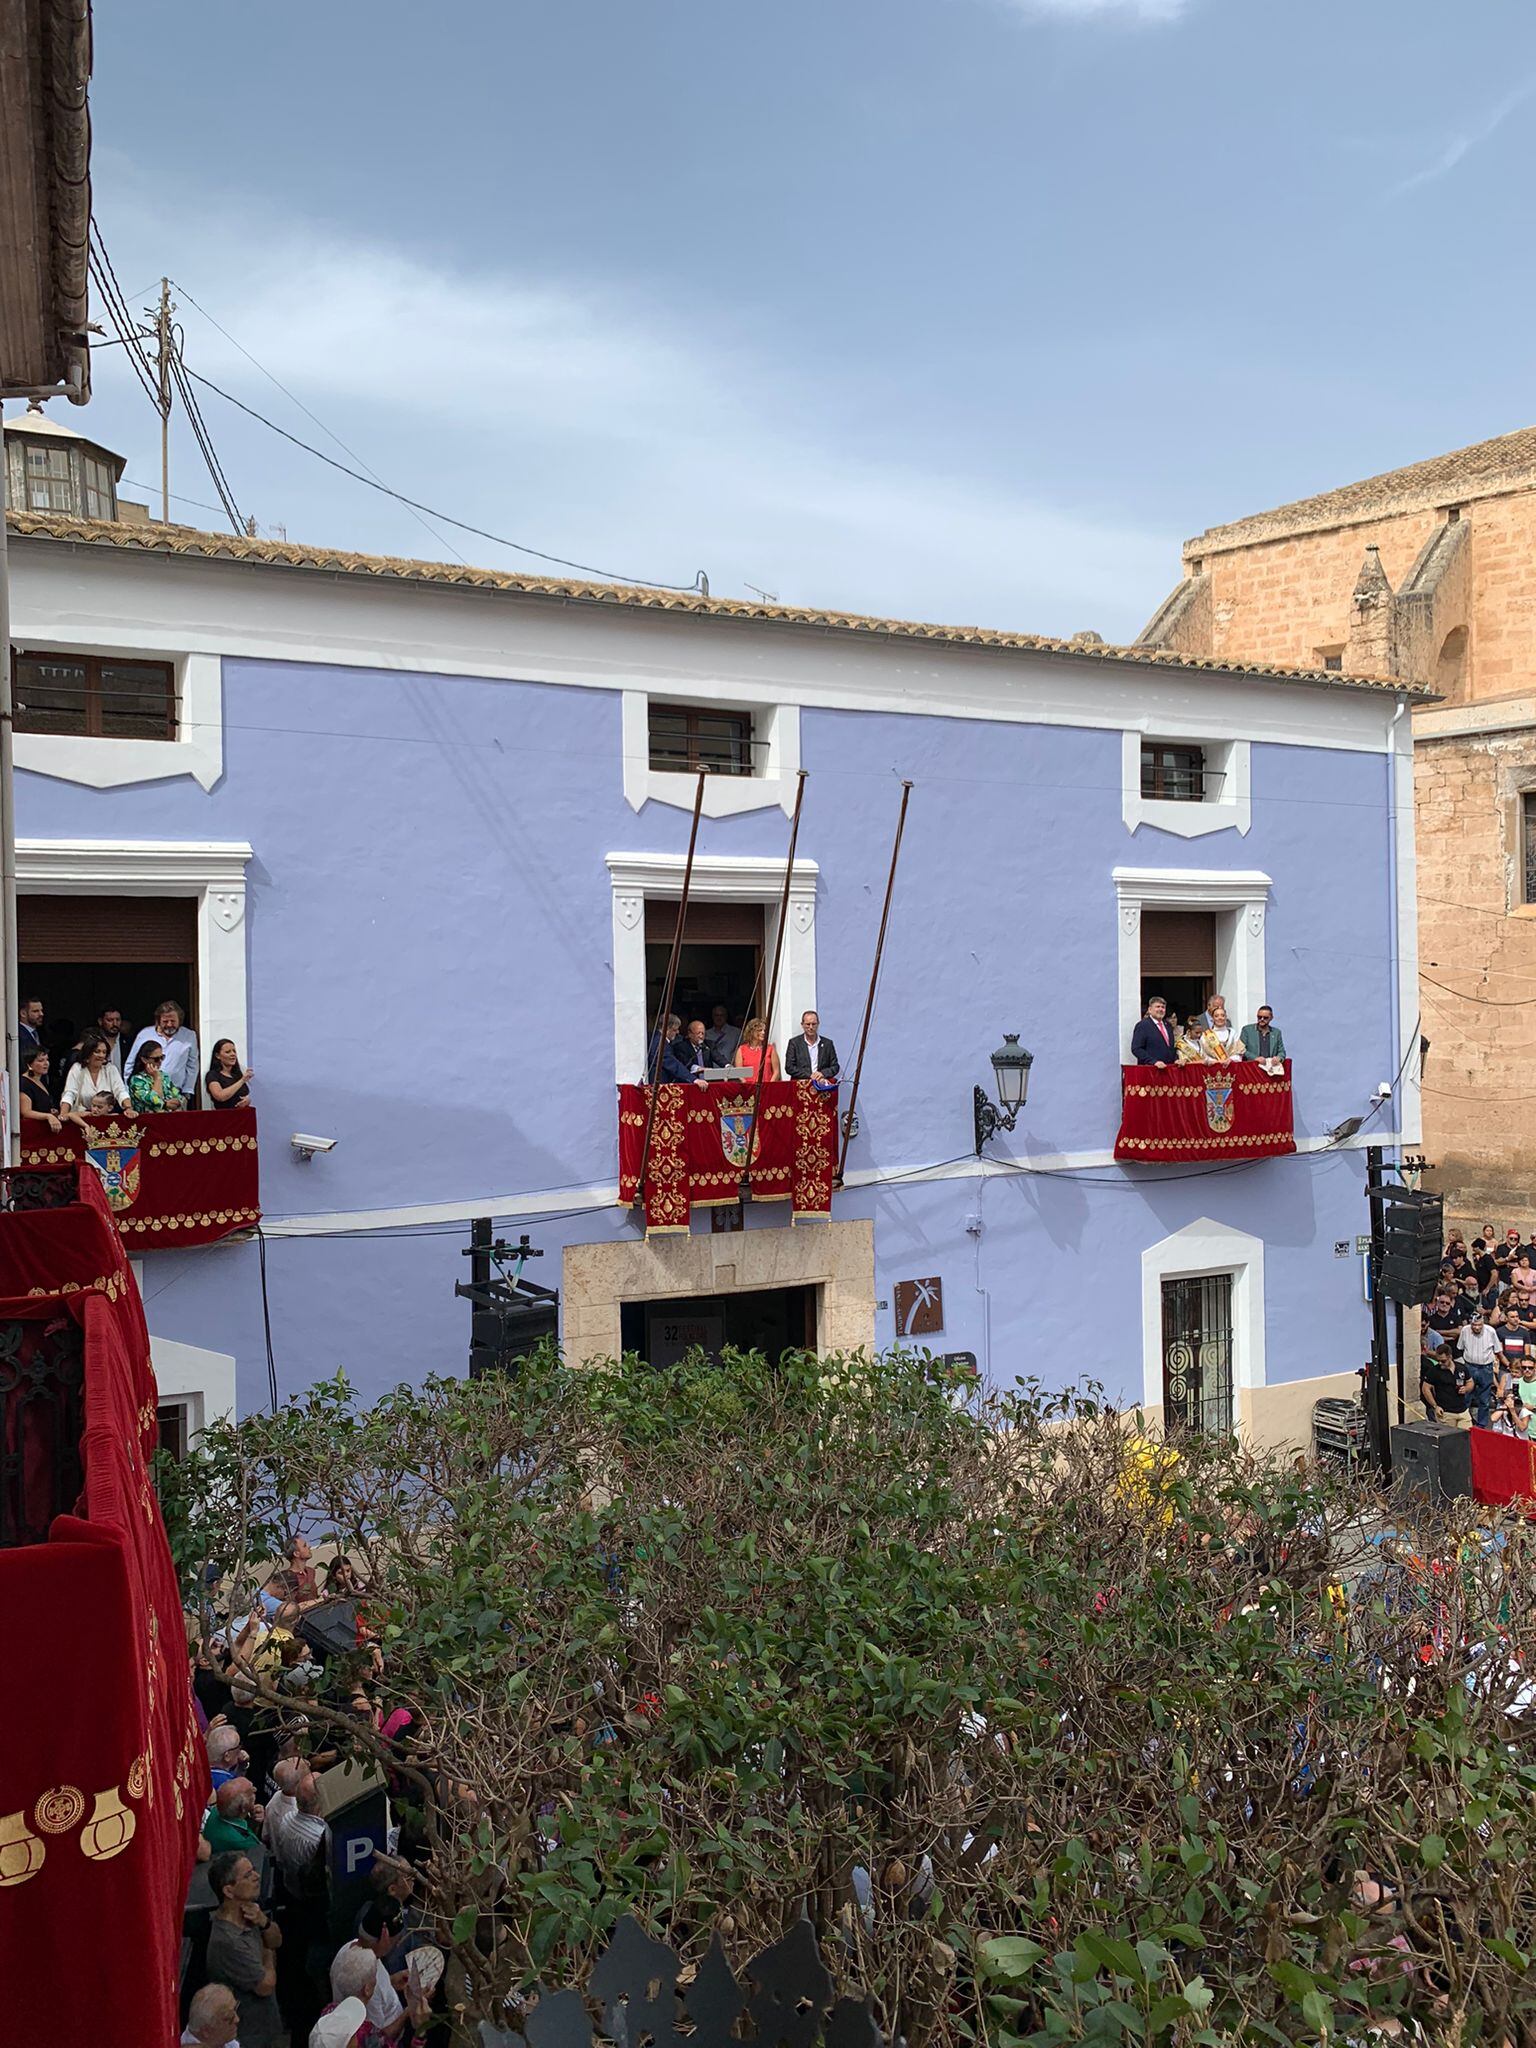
<point x="85" y="930"/>
<point x="99" y="695"/>
<point x="708" y="924"/>
<point x="1178" y="942"/>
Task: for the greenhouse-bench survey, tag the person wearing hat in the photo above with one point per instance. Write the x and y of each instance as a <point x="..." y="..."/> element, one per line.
<point x="338" y="2025"/>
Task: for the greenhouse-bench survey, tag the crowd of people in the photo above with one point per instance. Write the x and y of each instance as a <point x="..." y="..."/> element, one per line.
<point x="296" y="1950"/>
<point x="1161" y="1039"/>
<point x="1477" y="1337"/>
<point x="105" y="1072"/>
<point x="694" y="1052"/>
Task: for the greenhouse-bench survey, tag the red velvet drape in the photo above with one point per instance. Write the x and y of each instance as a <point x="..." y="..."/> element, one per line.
<point x="103" y="1778"/>
<point x="699" y="1148"/>
<point x="171" y="1179"/>
<point x="1200" y="1112"/>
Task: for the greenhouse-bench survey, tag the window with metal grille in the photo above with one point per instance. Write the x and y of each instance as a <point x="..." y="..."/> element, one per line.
<point x="1177" y="773"/>
<point x="1197" y="1354"/>
<point x="95" y="694"/>
<point x="684" y="740"/>
<point x="1528" y="845"/>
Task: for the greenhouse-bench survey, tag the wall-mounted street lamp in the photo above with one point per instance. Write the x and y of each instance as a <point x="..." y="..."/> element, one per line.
<point x="1011" y="1064"/>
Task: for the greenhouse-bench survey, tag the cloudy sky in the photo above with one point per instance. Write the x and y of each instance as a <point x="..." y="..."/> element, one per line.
<point x="957" y="309"/>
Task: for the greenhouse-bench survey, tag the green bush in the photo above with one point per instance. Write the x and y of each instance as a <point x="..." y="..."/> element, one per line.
<point x="1054" y="1734"/>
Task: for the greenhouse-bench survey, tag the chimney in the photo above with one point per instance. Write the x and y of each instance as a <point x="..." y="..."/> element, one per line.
<point x="1371" y="626"/>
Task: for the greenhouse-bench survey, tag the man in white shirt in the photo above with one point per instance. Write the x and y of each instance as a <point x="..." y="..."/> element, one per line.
<point x="357" y="1972"/>
<point x="180" y="1049"/>
<point x="810" y="1057"/>
<point x="213" y="2018"/>
<point x="287" y="1774"/>
<point x="299" y="1832"/>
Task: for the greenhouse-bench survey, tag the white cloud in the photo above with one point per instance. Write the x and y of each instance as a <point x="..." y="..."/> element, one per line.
<point x="596" y="427"/>
<point x="1467" y="140"/>
<point x="1090" y="10"/>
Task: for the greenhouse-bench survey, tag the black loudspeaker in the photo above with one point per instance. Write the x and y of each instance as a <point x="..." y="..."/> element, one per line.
<point x="1413" y="1228"/>
<point x="518" y="1325"/>
<point x="1433" y="1458"/>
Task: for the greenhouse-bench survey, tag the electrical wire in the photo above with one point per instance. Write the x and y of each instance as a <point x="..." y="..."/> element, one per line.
<point x="294" y="399"/>
<point x="1483" y="1002"/>
<point x="415" y="505"/>
<point x="204" y="439"/>
<point x="108" y="290"/>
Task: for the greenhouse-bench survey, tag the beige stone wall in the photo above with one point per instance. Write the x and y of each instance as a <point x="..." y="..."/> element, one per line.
<point x="837" y="1259"/>
<point x="1477" y="960"/>
<point x="1283" y="600"/>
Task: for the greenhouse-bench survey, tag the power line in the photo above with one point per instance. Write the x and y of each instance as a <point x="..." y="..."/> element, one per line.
<point x="204" y="438"/>
<point x="329" y="432"/>
<point x="414" y="504"/>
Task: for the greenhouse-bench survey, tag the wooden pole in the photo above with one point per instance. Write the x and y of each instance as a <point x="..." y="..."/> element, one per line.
<point x="773" y="979"/>
<point x="869" y="1000"/>
<point x="667" y="991"/>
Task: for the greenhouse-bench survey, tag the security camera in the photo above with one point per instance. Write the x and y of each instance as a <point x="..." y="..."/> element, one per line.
<point x="1383" y="1092"/>
<point x="305" y="1147"/>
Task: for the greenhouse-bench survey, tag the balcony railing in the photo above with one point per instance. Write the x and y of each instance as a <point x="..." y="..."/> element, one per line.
<point x="705" y="1152"/>
<point x="170" y="1180"/>
<point x="1236" y="1111"/>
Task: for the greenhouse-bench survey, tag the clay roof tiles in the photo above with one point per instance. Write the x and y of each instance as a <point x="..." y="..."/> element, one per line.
<point x="1486" y="469"/>
<point x="190" y="542"/>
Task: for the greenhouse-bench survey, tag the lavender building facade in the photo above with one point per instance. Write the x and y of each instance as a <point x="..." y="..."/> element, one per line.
<point x="423" y="844"/>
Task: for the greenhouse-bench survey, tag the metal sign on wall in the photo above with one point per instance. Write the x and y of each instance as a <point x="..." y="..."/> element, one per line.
<point x="919" y="1307"/>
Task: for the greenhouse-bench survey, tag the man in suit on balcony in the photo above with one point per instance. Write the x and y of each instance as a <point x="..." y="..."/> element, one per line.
<point x="810" y="1056"/>
<point x="1262" y="1041"/>
<point x="1152" y="1040"/>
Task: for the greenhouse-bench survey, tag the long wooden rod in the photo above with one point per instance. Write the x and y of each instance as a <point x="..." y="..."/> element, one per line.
<point x="874" y="978"/>
<point x="773" y="979"/>
<point x="667" y="992"/>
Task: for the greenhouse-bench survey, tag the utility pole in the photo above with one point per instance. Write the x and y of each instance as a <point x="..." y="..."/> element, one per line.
<point x="162" y="319"/>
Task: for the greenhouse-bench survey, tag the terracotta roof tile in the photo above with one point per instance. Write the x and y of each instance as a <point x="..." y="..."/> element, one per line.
<point x="1484" y="470"/>
<point x="192" y="543"/>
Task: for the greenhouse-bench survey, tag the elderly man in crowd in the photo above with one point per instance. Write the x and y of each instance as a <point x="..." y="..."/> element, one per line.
<point x="227" y="1756"/>
<point x="340" y="2026"/>
<point x="242" y="1944"/>
<point x="233" y="1820"/>
<point x="356" y="1972"/>
<point x="213" y="2019"/>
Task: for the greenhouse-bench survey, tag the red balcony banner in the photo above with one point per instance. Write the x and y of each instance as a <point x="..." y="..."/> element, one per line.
<point x="103" y="1775"/>
<point x="1237" y="1111"/>
<point x="173" y="1179"/>
<point x="699" y="1148"/>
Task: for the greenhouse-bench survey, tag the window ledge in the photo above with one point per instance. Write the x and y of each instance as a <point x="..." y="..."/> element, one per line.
<point x="1231" y="812"/>
<point x="96" y="762"/>
<point x="725" y="796"/>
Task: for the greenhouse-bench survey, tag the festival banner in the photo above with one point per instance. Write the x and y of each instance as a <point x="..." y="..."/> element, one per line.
<point x="1236" y="1111"/>
<point x="103" y="1776"/>
<point x="171" y="1179"/>
<point x="703" y="1141"/>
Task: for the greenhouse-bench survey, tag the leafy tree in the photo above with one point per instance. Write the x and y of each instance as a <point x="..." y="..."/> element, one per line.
<point x="1055" y="1733"/>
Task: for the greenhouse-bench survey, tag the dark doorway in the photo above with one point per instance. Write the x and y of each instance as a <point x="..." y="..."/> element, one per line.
<point x="771" y="1320"/>
<point x="80" y="954"/>
<point x="720" y="962"/>
<point x="1178" y="959"/>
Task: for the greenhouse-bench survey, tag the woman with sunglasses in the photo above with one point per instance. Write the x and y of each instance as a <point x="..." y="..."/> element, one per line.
<point x="148" y="1086"/>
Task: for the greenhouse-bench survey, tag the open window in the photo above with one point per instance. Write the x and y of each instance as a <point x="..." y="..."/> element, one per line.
<point x="1186" y="784"/>
<point x="81" y="955"/>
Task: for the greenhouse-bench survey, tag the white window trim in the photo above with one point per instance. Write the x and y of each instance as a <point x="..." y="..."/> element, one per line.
<point x="717" y="878"/>
<point x="1201" y="1248"/>
<point x="210" y="871"/>
<point x="1231" y="811"/>
<point x="97" y="762"/>
<point x="201" y="1381"/>
<point x="725" y="796"/>
<point x="1240" y="974"/>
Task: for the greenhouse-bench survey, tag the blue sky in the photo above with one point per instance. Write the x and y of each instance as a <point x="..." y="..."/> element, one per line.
<point x="958" y="309"/>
